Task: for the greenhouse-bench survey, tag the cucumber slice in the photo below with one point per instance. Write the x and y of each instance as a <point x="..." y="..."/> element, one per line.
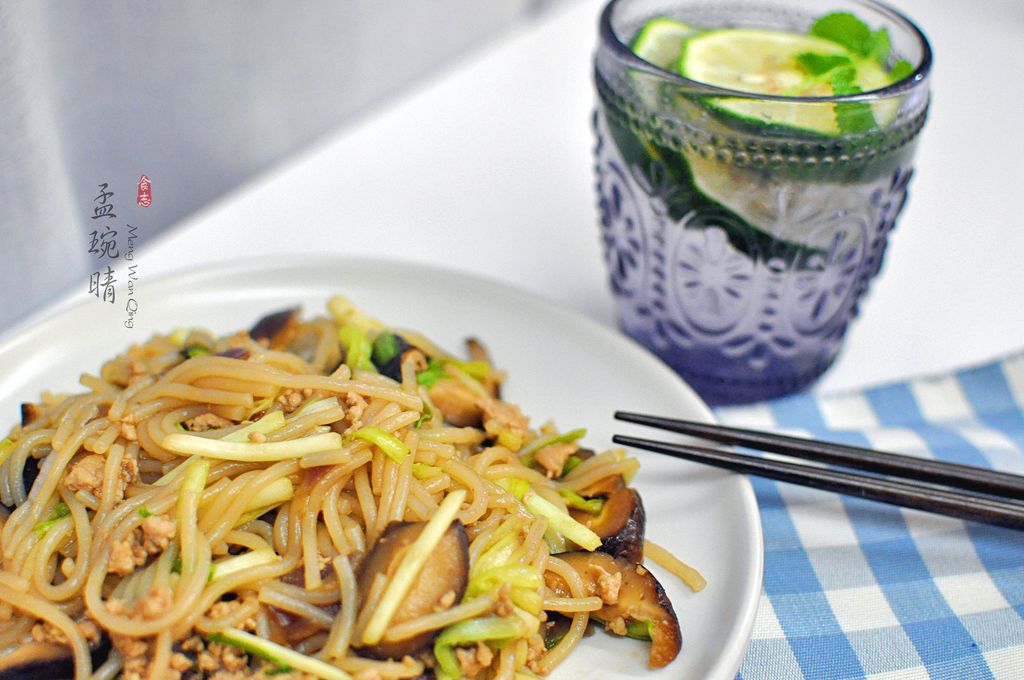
<point x="782" y="209"/>
<point x="763" y="61"/>
<point x="660" y="41"/>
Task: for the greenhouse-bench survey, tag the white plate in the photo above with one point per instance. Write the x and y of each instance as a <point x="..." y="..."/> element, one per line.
<point x="561" y="366"/>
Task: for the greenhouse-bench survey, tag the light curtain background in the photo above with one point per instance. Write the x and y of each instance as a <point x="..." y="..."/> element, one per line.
<point x="199" y="96"/>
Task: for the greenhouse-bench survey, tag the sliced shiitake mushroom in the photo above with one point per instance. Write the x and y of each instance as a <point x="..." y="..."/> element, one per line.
<point x="29" y="474"/>
<point x="240" y="353"/>
<point x="46" y="661"/>
<point x="287" y="628"/>
<point x="477" y="352"/>
<point x="290" y="629"/>
<point x="446" y="571"/>
<point x="276" y="329"/>
<point x="639" y="608"/>
<point x="306" y="342"/>
<point x="29" y="413"/>
<point x="389" y="351"/>
<point x="604" y="487"/>
<point x="555" y="628"/>
<point x="456" y="402"/>
<point x="620" y="524"/>
<point x="197" y="343"/>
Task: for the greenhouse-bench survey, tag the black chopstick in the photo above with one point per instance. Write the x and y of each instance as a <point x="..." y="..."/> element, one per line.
<point x="1004" y="484"/>
<point x="911" y="494"/>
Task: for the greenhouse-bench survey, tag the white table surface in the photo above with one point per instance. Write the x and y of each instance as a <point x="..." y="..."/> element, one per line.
<point x="486" y="168"/>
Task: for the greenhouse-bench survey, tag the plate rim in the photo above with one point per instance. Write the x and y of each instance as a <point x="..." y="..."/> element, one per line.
<point x="733" y="648"/>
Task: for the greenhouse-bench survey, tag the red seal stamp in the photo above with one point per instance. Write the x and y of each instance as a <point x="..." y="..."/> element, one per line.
<point x="145" y="193"/>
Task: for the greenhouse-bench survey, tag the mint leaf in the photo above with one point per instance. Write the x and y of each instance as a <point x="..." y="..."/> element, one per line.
<point x="854" y="117"/>
<point x="900" y="70"/>
<point x="851" y="116"/>
<point x="843" y="81"/>
<point x="846" y="29"/>
<point x="879" y="46"/>
<point x="819" y="64"/>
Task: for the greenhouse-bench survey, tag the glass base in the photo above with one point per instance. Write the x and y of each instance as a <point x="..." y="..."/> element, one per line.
<point x="724" y="381"/>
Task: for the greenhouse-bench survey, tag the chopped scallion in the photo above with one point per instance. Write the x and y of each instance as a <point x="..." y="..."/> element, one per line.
<point x="275" y="493"/>
<point x="262" y="405"/>
<point x="59" y="512"/>
<point x="570" y="464"/>
<point x="558" y="520"/>
<point x="499" y="553"/>
<point x="176" y="568"/>
<point x="574" y="500"/>
<point x="562" y="522"/>
<point x="639" y="629"/>
<point x="433" y="372"/>
<point x="251" y="451"/>
<point x="471" y="631"/>
<point x="385" y="348"/>
<point x="347" y="314"/>
<point x="317" y="405"/>
<point x="527" y="454"/>
<point x="555" y="541"/>
<point x="393" y="447"/>
<point x="516" y="575"/>
<point x="283" y="657"/>
<point x="424" y="417"/>
<point x="265" y="425"/>
<point x="358" y="350"/>
<point x="266" y="498"/>
<point x="249" y="560"/>
<point x="478" y="370"/>
<point x="193" y="351"/>
<point x="179" y="335"/>
<point x="423" y="471"/>
<point x="510" y="440"/>
<point x="527" y="599"/>
<point x="6" y="449"/>
<point x="192" y="485"/>
<point x="178" y="471"/>
<point x="515" y="486"/>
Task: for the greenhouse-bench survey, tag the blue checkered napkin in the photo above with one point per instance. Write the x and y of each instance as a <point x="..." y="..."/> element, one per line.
<point x="854" y="588"/>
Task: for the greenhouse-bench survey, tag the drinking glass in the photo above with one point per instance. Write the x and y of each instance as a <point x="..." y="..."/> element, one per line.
<point x="739" y="247"/>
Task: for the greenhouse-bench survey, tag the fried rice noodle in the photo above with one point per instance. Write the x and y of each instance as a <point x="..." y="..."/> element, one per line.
<point x="156" y="544"/>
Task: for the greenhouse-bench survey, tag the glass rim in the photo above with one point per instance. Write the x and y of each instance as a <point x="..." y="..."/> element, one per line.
<point x="915" y="79"/>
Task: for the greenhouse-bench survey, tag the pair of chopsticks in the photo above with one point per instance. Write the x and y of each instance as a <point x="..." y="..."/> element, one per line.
<point x="950" y="489"/>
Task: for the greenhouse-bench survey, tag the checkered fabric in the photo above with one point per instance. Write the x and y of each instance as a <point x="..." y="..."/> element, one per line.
<point x="858" y="589"/>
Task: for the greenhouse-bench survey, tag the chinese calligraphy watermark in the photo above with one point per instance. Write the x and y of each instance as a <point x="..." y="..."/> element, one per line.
<point x="104" y="246"/>
<point x="108" y="244"/>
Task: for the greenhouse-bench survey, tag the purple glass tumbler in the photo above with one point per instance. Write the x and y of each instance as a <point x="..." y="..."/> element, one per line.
<point x="741" y="231"/>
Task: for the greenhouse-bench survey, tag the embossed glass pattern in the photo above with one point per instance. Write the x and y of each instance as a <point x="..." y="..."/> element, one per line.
<point x="739" y="249"/>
